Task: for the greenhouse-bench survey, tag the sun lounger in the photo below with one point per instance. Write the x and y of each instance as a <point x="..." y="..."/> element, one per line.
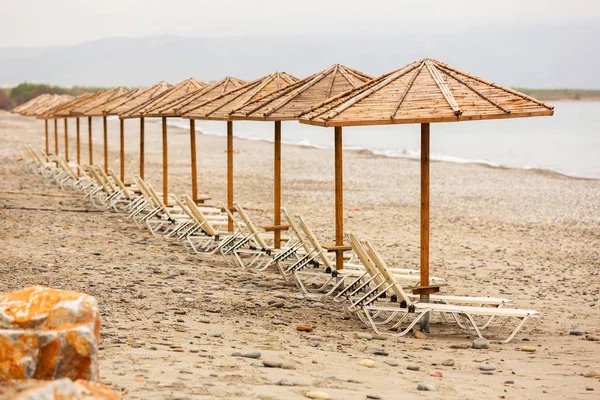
<point x="387" y="316"/>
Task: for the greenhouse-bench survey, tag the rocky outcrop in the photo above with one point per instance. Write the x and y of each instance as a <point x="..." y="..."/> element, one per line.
<point x="48" y="334"/>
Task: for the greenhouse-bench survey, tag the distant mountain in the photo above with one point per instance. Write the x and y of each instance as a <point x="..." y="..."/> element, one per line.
<point x="518" y="55"/>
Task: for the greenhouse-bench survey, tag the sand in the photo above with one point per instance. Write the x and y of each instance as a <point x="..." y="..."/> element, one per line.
<point x="172" y="321"/>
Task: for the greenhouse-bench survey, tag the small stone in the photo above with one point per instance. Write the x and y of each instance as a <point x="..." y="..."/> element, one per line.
<point x="204" y="321"/>
<point x="481" y="343"/>
<point x="373" y="396"/>
<point x="413" y="367"/>
<point x="177" y="290"/>
<point x="215" y="334"/>
<point x="304" y="328"/>
<point x="592" y="374"/>
<point x="426" y="387"/>
<point x="285" y="382"/>
<point x="251" y="354"/>
<point x="436" y="374"/>
<point x="575" y="333"/>
<point x="318" y="395"/>
<point x="592" y="338"/>
<point x="509" y="382"/>
<point x="366" y="336"/>
<point x="529" y="349"/>
<point x="419" y="335"/>
<point x="271" y="363"/>
<point x="391" y="363"/>
<point x="448" y="363"/>
<point x="367" y="363"/>
<point x="278" y="304"/>
<point x="278" y="322"/>
<point x="487" y="367"/>
<point x="180" y="312"/>
<point x="381" y="353"/>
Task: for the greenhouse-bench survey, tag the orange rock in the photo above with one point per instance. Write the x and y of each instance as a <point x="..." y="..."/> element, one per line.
<point x="48" y="334"/>
<point x="61" y="389"/>
<point x="304" y="328"/>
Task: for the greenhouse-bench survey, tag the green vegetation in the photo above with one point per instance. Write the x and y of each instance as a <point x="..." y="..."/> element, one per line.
<point x="562" y="94"/>
<point x="24" y="92"/>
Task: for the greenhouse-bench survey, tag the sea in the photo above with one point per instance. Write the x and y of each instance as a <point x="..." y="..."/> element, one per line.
<point x="567" y="143"/>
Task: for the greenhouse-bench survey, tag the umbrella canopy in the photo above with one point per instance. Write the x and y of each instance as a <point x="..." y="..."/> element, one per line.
<point x="286" y="104"/>
<point x="43" y="106"/>
<point x="424" y="91"/>
<point x="30" y="103"/>
<point x="212" y="90"/>
<point x="221" y="107"/>
<point x="146" y="109"/>
<point x="99" y="98"/>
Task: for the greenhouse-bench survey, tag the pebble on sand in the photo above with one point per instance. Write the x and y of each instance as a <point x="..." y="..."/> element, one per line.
<point x="318" y="395"/>
<point x="487" y="367"/>
<point x="304" y="328"/>
<point x="426" y="387"/>
<point x="419" y="335"/>
<point x="271" y="363"/>
<point x="448" y="363"/>
<point x="481" y="343"/>
<point x="413" y="367"/>
<point x="529" y="349"/>
<point x="367" y="363"/>
<point x="251" y="354"/>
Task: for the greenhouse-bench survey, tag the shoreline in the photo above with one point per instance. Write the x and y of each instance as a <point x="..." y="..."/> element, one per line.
<point x="374" y="154"/>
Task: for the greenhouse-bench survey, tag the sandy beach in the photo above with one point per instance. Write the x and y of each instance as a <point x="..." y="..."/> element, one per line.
<point x="172" y="322"/>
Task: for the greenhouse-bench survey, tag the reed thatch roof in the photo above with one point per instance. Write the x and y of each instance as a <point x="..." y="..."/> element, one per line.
<point x="42" y="107"/>
<point x="99" y="98"/>
<point x="102" y="108"/>
<point x="287" y="103"/>
<point x="30" y="103"/>
<point x="211" y="91"/>
<point x="220" y="107"/>
<point x="424" y="91"/>
<point x="51" y="113"/>
<point x="183" y="88"/>
<point x="135" y="99"/>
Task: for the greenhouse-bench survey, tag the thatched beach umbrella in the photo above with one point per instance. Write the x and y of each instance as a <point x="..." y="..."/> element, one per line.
<point x="42" y="107"/>
<point x="30" y="103"/>
<point x="172" y="109"/>
<point x="183" y="88"/>
<point x="286" y="103"/>
<point x="126" y="103"/>
<point x="423" y="92"/>
<point x="92" y="102"/>
<point x="52" y="114"/>
<point x="220" y="108"/>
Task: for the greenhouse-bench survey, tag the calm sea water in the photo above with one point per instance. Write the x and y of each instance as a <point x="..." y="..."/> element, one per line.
<point x="568" y="142"/>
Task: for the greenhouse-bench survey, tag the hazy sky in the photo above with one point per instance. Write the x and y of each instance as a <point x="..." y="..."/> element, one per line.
<point x="57" y="22"/>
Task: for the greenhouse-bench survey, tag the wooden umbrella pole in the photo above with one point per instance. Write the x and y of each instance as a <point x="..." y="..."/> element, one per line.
<point x="55" y="136"/>
<point x="66" y="140"/>
<point x="78" y="142"/>
<point x="277" y="185"/>
<point x="339" y="198"/>
<point x="193" y="159"/>
<point x="122" y="149"/>
<point x="90" y="142"/>
<point x="142" y="147"/>
<point x="165" y="162"/>
<point x="46" y="130"/>
<point x="424" y="325"/>
<point x="105" y="145"/>
<point x="230" y="171"/>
